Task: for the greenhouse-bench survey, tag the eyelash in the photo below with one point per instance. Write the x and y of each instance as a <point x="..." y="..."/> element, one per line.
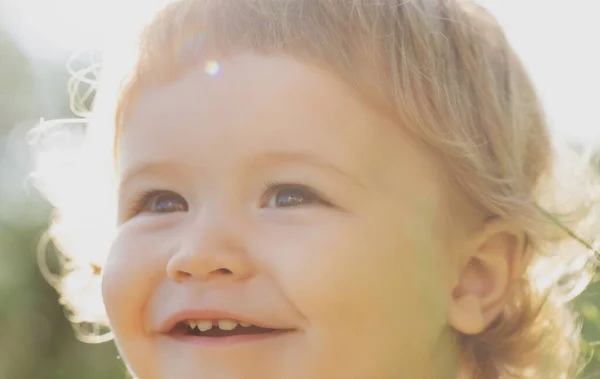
<point x="271" y="189"/>
<point x="145" y="197"/>
<point x="273" y="186"/>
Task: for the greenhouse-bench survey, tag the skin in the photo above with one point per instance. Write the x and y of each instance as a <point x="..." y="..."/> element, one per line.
<point x="362" y="269"/>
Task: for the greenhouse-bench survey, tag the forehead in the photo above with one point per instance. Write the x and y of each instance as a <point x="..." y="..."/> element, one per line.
<point x="258" y="103"/>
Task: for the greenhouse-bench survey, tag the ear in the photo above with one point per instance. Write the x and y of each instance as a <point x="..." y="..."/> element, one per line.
<point x="489" y="264"/>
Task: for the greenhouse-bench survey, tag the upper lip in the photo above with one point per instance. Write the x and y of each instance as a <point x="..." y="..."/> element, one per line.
<point x="215" y="314"/>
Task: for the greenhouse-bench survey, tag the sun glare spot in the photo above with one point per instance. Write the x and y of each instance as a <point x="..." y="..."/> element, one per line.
<point x="212" y="68"/>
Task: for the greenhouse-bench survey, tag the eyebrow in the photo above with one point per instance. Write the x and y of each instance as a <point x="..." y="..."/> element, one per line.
<point x="157" y="168"/>
<point x="284" y="156"/>
<point x="149" y="169"/>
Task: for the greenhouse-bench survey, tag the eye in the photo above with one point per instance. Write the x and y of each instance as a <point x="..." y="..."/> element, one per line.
<point x="289" y="195"/>
<point x="159" y="202"/>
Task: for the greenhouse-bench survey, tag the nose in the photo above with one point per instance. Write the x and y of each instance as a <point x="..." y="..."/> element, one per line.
<point x="211" y="248"/>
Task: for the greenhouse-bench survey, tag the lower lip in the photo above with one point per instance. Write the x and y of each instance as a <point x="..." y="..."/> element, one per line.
<point x="229" y="340"/>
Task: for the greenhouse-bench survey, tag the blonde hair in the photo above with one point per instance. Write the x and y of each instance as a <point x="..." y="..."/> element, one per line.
<point x="445" y="71"/>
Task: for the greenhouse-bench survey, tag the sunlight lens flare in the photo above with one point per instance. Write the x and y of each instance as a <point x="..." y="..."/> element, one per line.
<point x="212" y="68"/>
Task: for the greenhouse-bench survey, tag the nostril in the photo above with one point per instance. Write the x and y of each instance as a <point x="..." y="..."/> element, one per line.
<point x="182" y="275"/>
<point x="224" y="271"/>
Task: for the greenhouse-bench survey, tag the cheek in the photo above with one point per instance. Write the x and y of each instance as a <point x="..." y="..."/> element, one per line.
<point x="362" y="282"/>
<point x="350" y="260"/>
<point x="130" y="274"/>
<point x="127" y="274"/>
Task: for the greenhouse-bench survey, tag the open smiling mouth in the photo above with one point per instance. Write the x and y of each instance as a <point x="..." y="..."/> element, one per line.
<point x="222" y="331"/>
<point x="216" y="329"/>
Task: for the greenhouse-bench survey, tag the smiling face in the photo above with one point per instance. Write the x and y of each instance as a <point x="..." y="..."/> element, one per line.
<point x="270" y="194"/>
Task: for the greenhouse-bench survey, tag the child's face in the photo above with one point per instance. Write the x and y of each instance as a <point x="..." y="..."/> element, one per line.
<point x="271" y="194"/>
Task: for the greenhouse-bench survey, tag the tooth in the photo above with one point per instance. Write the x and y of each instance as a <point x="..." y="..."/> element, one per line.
<point x="245" y="324"/>
<point x="204" y="325"/>
<point x="227" y="324"/>
<point x="192" y="324"/>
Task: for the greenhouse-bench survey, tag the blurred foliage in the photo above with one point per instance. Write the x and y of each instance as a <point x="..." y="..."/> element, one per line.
<point x="36" y="340"/>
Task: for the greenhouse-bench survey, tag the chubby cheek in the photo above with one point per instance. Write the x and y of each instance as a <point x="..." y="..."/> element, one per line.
<point x="130" y="273"/>
<point x="363" y="284"/>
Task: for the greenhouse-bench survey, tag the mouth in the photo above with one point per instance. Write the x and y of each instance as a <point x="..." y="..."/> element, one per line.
<point x="219" y="331"/>
<point x="218" y="328"/>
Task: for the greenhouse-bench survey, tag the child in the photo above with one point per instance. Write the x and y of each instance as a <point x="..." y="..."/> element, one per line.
<point x="335" y="189"/>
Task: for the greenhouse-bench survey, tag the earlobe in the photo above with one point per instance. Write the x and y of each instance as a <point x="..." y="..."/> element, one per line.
<point x="491" y="264"/>
<point x="466" y="315"/>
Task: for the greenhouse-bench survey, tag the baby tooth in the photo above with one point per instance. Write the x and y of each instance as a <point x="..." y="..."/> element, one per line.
<point x="192" y="324"/>
<point x="245" y="324"/>
<point x="204" y="325"/>
<point x="227" y="324"/>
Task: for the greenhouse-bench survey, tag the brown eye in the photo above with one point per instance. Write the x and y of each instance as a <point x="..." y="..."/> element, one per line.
<point x="162" y="202"/>
<point x="279" y="196"/>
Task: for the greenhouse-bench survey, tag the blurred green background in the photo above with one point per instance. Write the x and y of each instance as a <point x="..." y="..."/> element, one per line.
<point x="36" y="340"/>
